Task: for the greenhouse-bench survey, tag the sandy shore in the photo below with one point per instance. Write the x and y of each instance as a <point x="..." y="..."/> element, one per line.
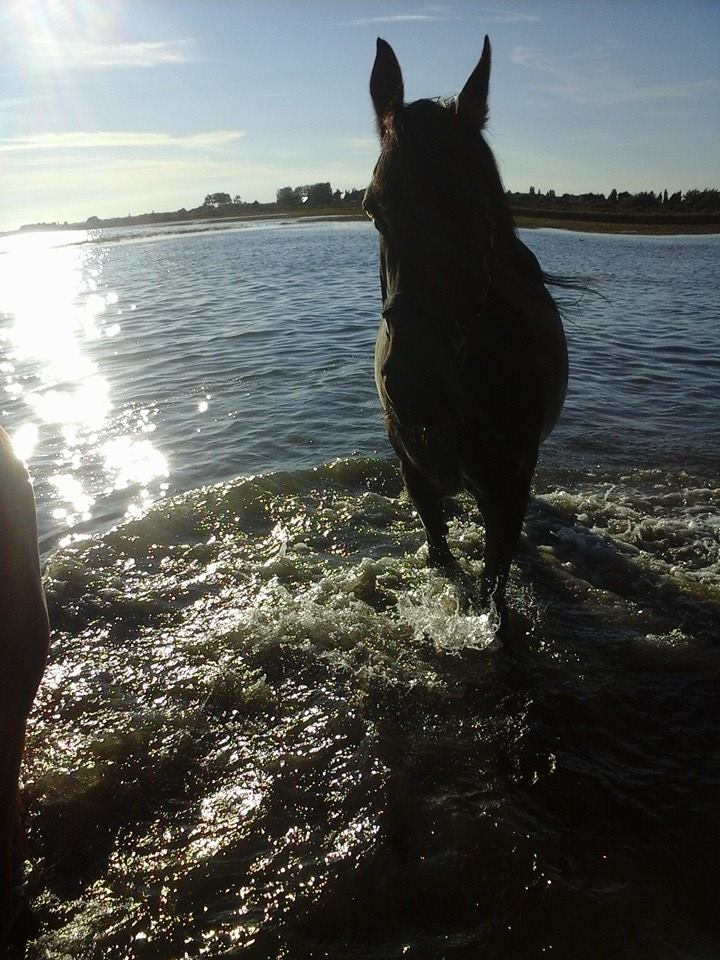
<point x="591" y="226"/>
<point x="525" y="222"/>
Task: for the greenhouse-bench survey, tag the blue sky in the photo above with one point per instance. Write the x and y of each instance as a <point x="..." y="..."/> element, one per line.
<point x="115" y="106"/>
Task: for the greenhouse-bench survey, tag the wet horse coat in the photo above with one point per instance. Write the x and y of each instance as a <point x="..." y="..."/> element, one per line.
<point x="470" y="358"/>
<point x="24" y="635"/>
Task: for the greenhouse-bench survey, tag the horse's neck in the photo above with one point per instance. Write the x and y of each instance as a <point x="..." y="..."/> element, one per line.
<point x="511" y="278"/>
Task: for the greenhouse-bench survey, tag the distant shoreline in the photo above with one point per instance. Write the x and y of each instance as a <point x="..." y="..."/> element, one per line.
<point x="582" y="221"/>
<point x="616" y="227"/>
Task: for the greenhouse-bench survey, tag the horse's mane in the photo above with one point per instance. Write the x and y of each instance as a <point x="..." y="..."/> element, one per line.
<point x="502" y="213"/>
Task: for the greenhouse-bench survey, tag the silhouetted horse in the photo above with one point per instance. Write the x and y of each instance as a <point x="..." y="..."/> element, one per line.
<point x="470" y="358"/>
<point x="24" y="635"/>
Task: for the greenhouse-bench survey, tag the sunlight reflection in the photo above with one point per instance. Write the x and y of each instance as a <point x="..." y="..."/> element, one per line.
<point x="133" y="461"/>
<point x="24" y="441"/>
<point x="55" y="312"/>
<point x="70" y="490"/>
<point x="220" y="814"/>
<point x="88" y="404"/>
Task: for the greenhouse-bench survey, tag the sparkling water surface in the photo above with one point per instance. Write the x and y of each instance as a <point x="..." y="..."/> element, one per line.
<point x="266" y="729"/>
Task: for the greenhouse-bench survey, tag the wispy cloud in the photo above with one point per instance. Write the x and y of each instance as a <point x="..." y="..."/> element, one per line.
<point x="600" y="80"/>
<point x="91" y="55"/>
<point x="432" y="13"/>
<point x="504" y="15"/>
<point x="397" y="18"/>
<point x="360" y="143"/>
<point x="115" y="139"/>
<point x="12" y="102"/>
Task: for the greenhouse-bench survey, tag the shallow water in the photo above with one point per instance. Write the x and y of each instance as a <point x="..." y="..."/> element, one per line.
<point x="267" y="730"/>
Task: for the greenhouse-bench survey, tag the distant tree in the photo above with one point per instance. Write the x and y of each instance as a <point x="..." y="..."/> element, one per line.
<point x="287" y="197"/>
<point x="702" y="200"/>
<point x="665" y="196"/>
<point x="613" y="195"/>
<point x="645" y="199"/>
<point x="237" y="199"/>
<point x="313" y="194"/>
<point x="531" y="191"/>
<point x="319" y="194"/>
<point x="217" y="200"/>
<point x="550" y="193"/>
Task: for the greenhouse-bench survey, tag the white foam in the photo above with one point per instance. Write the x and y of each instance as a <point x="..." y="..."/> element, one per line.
<point x="434" y="611"/>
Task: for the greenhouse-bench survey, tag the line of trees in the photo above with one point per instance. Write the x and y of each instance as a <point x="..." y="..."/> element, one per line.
<point x="309" y="194"/>
<point x="645" y="201"/>
<point x="692" y="201"/>
<point x="316" y="195"/>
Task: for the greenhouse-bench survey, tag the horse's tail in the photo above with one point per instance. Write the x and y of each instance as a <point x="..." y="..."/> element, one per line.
<point x="581" y="285"/>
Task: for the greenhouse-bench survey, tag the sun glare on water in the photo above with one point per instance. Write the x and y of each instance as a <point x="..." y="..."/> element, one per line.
<point x="55" y="318"/>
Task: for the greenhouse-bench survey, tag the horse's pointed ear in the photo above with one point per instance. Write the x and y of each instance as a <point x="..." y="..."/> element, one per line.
<point x="386" y="85"/>
<point x="472" y="100"/>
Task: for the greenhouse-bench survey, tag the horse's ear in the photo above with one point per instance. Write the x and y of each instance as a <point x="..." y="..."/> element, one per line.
<point x="472" y="100"/>
<point x="386" y="85"/>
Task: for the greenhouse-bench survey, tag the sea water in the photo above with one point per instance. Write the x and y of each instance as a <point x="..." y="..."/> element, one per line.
<point x="267" y="729"/>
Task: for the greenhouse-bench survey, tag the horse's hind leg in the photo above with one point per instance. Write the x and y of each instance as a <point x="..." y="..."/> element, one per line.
<point x="428" y="503"/>
<point x="503" y="503"/>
